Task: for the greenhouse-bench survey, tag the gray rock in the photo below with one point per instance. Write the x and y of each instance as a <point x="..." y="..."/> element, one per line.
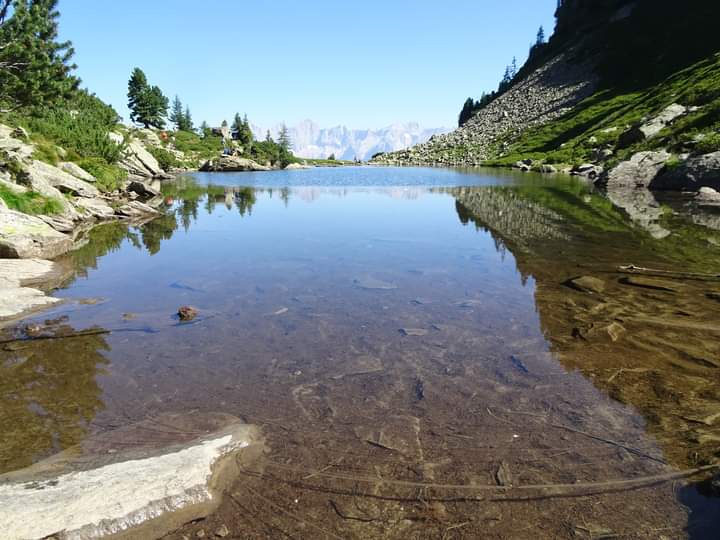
<point x="19" y="301"/>
<point x="708" y="196"/>
<point x="97" y="208"/>
<point x="41" y="174"/>
<point x="142" y="189"/>
<point x="77" y="171"/>
<point x="136" y="209"/>
<point x="653" y="126"/>
<point x="588" y="170"/>
<point x="694" y="173"/>
<point x="111" y="485"/>
<point x="548" y="169"/>
<point x="25" y="237"/>
<point x="136" y="160"/>
<point x="627" y="186"/>
<point x="232" y="164"/>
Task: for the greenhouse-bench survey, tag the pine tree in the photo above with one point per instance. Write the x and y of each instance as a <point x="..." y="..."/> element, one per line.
<point x="148" y="106"/>
<point x="35" y="68"/>
<point x="188" y="123"/>
<point x="236" y="127"/>
<point x="285" y="145"/>
<point x="284" y="139"/>
<point x="268" y="137"/>
<point x="540" y="40"/>
<point x="469" y="107"/>
<point x="177" y="114"/>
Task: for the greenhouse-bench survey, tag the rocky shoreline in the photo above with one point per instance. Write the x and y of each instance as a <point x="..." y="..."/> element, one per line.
<point x="29" y="242"/>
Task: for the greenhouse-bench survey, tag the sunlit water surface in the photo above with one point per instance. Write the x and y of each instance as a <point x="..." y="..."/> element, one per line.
<point x="409" y="324"/>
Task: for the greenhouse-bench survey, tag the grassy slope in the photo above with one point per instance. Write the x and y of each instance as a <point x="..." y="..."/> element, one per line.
<point x="607" y="114"/>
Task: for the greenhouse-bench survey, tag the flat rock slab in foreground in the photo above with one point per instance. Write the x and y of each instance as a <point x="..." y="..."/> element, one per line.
<point x="173" y="474"/>
<point x="16" y="297"/>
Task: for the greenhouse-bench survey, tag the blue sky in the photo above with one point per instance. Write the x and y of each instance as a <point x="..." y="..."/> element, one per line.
<point x="364" y="64"/>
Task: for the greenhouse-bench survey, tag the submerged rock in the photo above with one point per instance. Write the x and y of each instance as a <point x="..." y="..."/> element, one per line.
<point x="586" y="284"/>
<point x="187" y="313"/>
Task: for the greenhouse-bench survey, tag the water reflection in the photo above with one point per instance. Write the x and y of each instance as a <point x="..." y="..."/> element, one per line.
<point x="421" y="333"/>
<point x="49" y="391"/>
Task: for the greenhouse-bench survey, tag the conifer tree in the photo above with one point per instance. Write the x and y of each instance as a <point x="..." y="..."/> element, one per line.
<point x="35" y="68"/>
<point x="148" y="105"/>
<point x="187" y="120"/>
<point x="177" y="114"/>
<point x="540" y="40"/>
<point x="268" y="137"/>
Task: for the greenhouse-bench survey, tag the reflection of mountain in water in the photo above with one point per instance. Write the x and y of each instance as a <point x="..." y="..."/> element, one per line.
<point x="648" y="340"/>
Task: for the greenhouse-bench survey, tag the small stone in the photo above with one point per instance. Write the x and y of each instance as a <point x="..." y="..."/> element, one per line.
<point x="200" y="533"/>
<point x="33" y="330"/>
<point x="503" y="476"/>
<point x="615" y="331"/>
<point x="222" y="532"/>
<point x="187" y="313"/>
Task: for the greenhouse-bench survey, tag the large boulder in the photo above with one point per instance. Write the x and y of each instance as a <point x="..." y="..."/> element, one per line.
<point x="25" y="237"/>
<point x="141" y="189"/>
<point x="136" y="160"/>
<point x="233" y="164"/>
<point x="627" y="186"/>
<point x="691" y="175"/>
<point x="39" y="175"/>
<point x="77" y="171"/>
<point x="651" y="127"/>
<point x="97" y="208"/>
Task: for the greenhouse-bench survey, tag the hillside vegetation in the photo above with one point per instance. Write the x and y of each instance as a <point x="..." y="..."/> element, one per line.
<point x="609" y="67"/>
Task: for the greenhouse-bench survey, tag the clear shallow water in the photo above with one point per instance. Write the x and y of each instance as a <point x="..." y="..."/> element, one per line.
<point x="410" y="324"/>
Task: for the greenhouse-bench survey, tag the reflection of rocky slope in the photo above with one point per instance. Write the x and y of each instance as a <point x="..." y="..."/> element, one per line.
<point x="649" y="338"/>
<point x="508" y="215"/>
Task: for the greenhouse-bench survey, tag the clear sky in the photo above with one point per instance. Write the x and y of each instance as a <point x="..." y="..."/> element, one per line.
<point x="364" y="64"/>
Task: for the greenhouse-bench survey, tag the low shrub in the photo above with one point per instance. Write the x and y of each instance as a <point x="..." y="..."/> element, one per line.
<point x="109" y="177"/>
<point x="167" y="160"/>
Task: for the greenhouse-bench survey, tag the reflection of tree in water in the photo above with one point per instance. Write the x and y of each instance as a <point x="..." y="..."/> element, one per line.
<point x="244" y="200"/>
<point x="48" y="395"/>
<point x="102" y="240"/>
<point x="157" y="230"/>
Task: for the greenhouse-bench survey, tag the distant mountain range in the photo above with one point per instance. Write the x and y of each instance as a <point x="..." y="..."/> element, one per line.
<point x="311" y="141"/>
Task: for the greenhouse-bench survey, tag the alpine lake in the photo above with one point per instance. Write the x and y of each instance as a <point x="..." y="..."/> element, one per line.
<point x="429" y="353"/>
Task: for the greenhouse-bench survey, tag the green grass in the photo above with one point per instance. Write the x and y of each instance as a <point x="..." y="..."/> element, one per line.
<point x="30" y="202"/>
<point x="601" y="119"/>
<point x="45" y="151"/>
<point x="109" y="177"/>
